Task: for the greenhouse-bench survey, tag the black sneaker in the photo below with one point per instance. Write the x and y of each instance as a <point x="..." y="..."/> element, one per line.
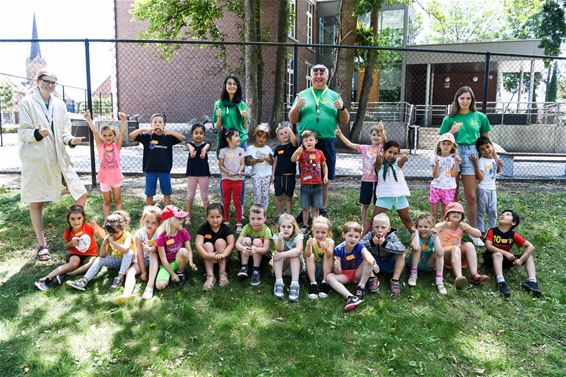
<point x="359" y="293"/>
<point x="322" y="212"/>
<point x="299" y="218"/>
<point x="182" y="278"/>
<point x="504" y="289"/>
<point x="324" y="290"/>
<point x="531" y="286"/>
<point x="60" y="279"/>
<point x="256" y="278"/>
<point x="313" y="291"/>
<point x="352" y="302"/>
<point x="243" y="272"/>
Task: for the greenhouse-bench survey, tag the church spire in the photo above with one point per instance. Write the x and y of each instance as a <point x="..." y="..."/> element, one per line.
<point x="35" y="50"/>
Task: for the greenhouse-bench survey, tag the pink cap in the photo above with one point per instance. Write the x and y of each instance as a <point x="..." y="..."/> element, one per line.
<point x="172" y="211"/>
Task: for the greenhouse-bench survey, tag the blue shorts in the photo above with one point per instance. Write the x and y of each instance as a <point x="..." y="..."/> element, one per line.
<point x="423" y="262"/>
<point x="164" y="183"/>
<point x="467" y="165"/>
<point x="311" y="196"/>
<point x="328" y="147"/>
<point x="392" y="202"/>
<point x="386" y="265"/>
<point x="367" y="192"/>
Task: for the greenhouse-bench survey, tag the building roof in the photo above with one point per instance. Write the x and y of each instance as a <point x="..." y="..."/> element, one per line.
<point x="35" y="50"/>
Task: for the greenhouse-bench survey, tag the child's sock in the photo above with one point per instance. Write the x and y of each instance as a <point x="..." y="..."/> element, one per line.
<point x="499" y="279"/>
<point x="294" y="283"/>
<point x="534" y="280"/>
<point x="278" y="281"/>
<point x="438" y="279"/>
<point x="413" y="272"/>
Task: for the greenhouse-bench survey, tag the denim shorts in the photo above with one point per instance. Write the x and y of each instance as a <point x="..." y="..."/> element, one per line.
<point x="392" y="202"/>
<point x="311" y="196"/>
<point x="465" y="151"/>
<point x="164" y="183"/>
<point x="328" y="147"/>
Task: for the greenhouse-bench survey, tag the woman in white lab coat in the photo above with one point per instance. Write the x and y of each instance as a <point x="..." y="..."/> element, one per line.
<point x="43" y="135"/>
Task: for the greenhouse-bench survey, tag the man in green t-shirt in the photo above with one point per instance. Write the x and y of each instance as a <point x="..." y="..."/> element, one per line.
<point x="320" y="109"/>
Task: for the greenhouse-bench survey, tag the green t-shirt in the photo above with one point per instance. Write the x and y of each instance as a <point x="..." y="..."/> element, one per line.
<point x="264" y="233"/>
<point x="474" y="124"/>
<point x="327" y="117"/>
<point x="231" y="118"/>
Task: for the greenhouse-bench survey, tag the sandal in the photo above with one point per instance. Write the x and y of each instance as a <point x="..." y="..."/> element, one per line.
<point x="223" y="282"/>
<point x="209" y="283"/>
<point x="43" y="253"/>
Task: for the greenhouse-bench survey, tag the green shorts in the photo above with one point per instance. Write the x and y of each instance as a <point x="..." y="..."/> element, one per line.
<point x="163" y="274"/>
<point x="392" y="202"/>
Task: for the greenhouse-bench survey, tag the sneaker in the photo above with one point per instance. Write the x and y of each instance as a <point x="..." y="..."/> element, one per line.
<point x="243" y="272"/>
<point x="278" y="290"/>
<point x="531" y="286"/>
<point x="256" y="278"/>
<point x="304" y="229"/>
<point x="299" y="218"/>
<point x="373" y="284"/>
<point x="117" y="282"/>
<point x="477" y="279"/>
<point x="182" y="278"/>
<point x="60" y="279"/>
<point x="477" y="241"/>
<point x="352" y="302"/>
<point x="395" y="288"/>
<point x="412" y="281"/>
<point x="324" y="290"/>
<point x="322" y="212"/>
<point x="360" y="293"/>
<point x="147" y="294"/>
<point x="123" y="299"/>
<point x="461" y="282"/>
<point x="504" y="289"/>
<point x="42" y="285"/>
<point x="294" y="293"/>
<point x="313" y="291"/>
<point x="239" y="228"/>
<point x="441" y="289"/>
<point x="78" y="284"/>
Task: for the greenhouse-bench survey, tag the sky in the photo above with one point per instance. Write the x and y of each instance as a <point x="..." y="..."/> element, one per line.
<point x="65" y="19"/>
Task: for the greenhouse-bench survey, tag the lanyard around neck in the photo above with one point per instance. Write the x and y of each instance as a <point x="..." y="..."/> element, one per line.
<point x="317" y="99"/>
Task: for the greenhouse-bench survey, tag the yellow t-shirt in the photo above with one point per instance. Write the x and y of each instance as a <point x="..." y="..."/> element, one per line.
<point x="318" y="251"/>
<point x="117" y="253"/>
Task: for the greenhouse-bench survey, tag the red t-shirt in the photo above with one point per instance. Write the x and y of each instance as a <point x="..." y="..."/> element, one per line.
<point x="310" y="167"/>
<point x="87" y="244"/>
<point x="504" y="240"/>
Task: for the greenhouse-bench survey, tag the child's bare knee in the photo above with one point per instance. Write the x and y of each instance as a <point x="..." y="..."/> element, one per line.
<point x="258" y="242"/>
<point x="247" y="241"/>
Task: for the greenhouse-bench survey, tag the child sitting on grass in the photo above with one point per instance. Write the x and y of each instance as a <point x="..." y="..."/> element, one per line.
<point x="353" y="263"/>
<point x="287" y="256"/>
<point x="319" y="250"/>
<point x="498" y="244"/>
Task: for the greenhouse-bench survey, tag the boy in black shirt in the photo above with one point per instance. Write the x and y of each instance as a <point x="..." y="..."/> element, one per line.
<point x="284" y="170"/>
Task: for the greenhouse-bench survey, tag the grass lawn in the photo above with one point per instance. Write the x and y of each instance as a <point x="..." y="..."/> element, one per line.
<point x="242" y="330"/>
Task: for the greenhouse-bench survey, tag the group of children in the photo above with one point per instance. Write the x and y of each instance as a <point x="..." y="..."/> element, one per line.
<point x="160" y="251"/>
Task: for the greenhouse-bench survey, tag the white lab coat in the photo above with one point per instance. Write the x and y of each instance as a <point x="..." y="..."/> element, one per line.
<point x="45" y="161"/>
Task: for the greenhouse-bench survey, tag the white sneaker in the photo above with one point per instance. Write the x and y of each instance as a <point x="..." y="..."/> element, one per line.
<point x="413" y="280"/>
<point x="477" y="241"/>
<point x="147" y="294"/>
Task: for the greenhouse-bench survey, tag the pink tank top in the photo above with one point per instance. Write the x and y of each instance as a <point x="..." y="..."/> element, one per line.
<point x="109" y="171"/>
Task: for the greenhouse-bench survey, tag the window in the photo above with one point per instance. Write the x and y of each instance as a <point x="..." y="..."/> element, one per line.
<point x="310" y="14"/>
<point x="308" y="67"/>
<point x="293" y="19"/>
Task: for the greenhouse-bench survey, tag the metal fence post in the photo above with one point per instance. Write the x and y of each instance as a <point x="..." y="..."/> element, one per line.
<point x="89" y="104"/>
<point x="485" y="82"/>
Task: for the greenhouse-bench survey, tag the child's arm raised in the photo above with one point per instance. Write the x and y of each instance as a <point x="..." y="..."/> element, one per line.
<point x="135" y="133"/>
<point x="378" y="161"/>
<point x="415" y="241"/>
<point x="95" y="132"/>
<point x="403" y="160"/>
<point x="123" y="128"/>
<point x="175" y="134"/>
<point x="479" y="173"/>
<point x="345" y="140"/>
<point x="296" y="154"/>
<point x="188" y="247"/>
<point x="292" y="137"/>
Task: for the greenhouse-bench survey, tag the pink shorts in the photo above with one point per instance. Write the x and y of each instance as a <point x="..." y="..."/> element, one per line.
<point x="444" y="196"/>
<point x="350" y="275"/>
<point x="107" y="188"/>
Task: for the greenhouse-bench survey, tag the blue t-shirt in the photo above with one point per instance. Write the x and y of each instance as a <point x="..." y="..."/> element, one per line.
<point x="198" y="167"/>
<point x="349" y="261"/>
<point x="157" y="152"/>
<point x="428" y="246"/>
<point x="283" y="155"/>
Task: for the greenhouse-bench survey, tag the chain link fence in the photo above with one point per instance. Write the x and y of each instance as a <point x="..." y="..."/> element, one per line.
<point x="411" y="95"/>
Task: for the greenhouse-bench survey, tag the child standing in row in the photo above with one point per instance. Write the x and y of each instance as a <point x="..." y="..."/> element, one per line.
<point x="284" y="170"/>
<point x="174" y="248"/>
<point x="318" y="256"/>
<point x="498" y="244"/>
<point x="445" y="170"/>
<point x="314" y="173"/>
<point x="157" y="156"/>
<point x="254" y="242"/>
<point x="109" y="143"/>
<point x="353" y="263"/>
<point x="260" y="157"/>
<point x="427" y="253"/>
<point x="82" y="247"/>
<point x="120" y="243"/>
<point x="369" y="154"/>
<point x="231" y="163"/>
<point x="198" y="170"/>
<point x="486" y="171"/>
<point x="288" y="242"/>
<point x="214" y="243"/>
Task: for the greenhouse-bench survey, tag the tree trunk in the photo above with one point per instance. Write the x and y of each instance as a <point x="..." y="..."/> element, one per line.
<point x="341" y="80"/>
<point x="367" y="83"/>
<point x="252" y="61"/>
<point x="280" y="65"/>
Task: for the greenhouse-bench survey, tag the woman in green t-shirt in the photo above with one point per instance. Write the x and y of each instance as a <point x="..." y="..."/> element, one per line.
<point x="230" y="112"/>
<point x="467" y="125"/>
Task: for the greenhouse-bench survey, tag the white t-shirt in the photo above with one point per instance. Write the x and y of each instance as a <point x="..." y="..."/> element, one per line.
<point x="489" y="169"/>
<point x="141" y="234"/>
<point x="262" y="169"/>
<point x="445" y="180"/>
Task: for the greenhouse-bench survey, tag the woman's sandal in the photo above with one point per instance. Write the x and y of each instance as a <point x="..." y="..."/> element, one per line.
<point x="43" y="254"/>
<point x="223" y="282"/>
<point x="209" y="283"/>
